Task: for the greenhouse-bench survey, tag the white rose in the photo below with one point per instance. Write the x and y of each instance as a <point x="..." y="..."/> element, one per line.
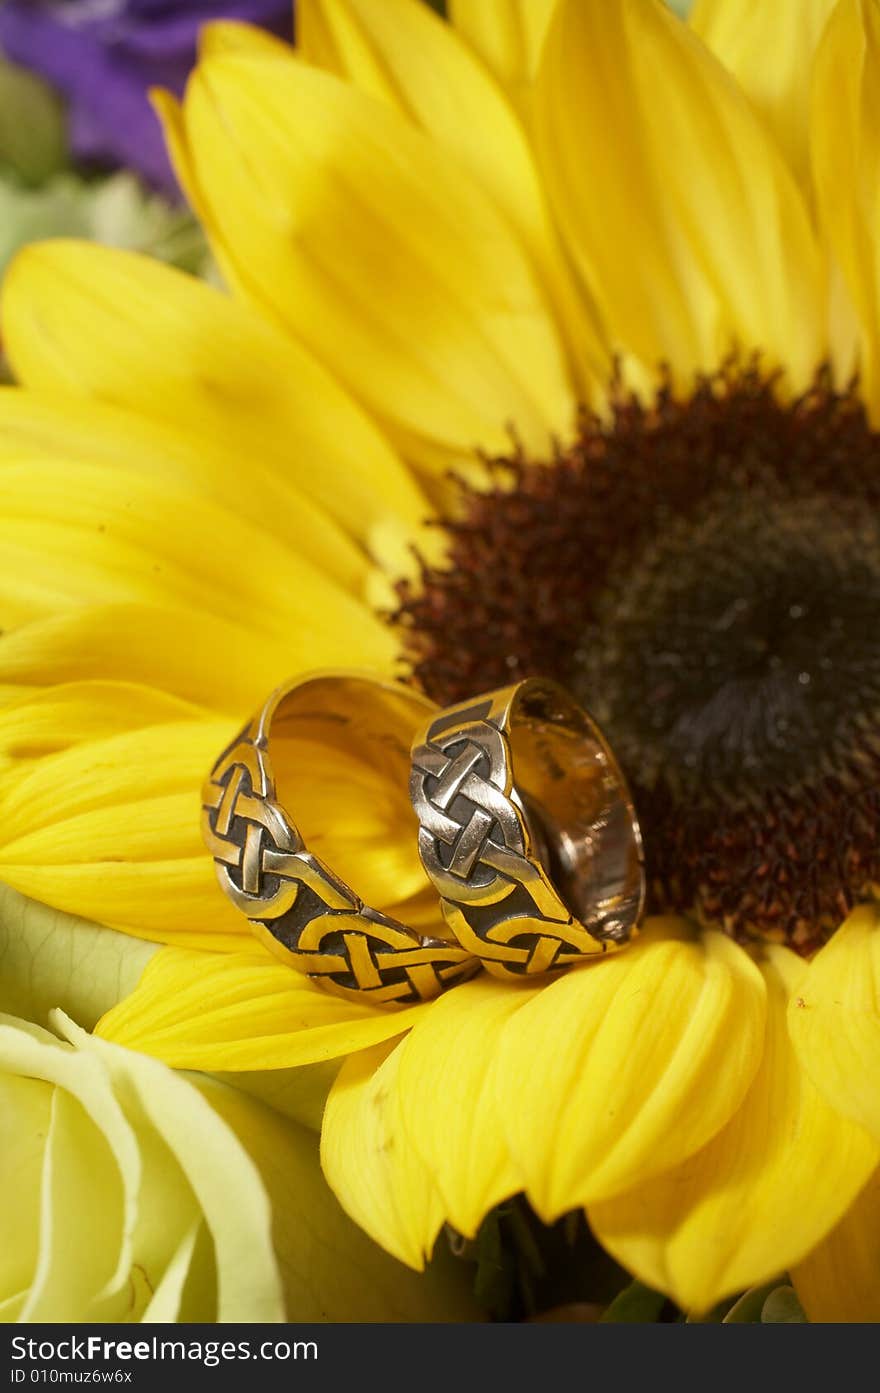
<point x="132" y="1192"/>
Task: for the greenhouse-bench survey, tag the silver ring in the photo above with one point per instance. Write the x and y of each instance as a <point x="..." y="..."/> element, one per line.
<point x="295" y="904"/>
<point x="527" y="830"/>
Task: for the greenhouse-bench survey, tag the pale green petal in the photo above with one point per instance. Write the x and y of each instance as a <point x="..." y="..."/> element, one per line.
<point x="298" y="1094"/>
<point x="246" y="1279"/>
<point x="29" y="1102"/>
<point x="284" y="1217"/>
<point x="11" y="1308"/>
<point x="81" y="1220"/>
<point x="330" y="1268"/>
<point x="90" y="1150"/>
<point x="166" y="1299"/>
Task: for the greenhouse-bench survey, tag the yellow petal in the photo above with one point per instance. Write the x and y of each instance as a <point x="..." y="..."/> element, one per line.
<point x="742" y="34"/>
<point x="846" y="166"/>
<point x="166" y="901"/>
<point x="370" y="1163"/>
<point x="243" y="1011"/>
<point x="152" y="827"/>
<point x="835" y="1019"/>
<point x="840" y="1280"/>
<point x="368" y="242"/>
<point x="624" y="1067"/>
<point x="508" y="35"/>
<point x="680" y="213"/>
<point x="170" y="113"/>
<point x="236" y="36"/>
<point x="341" y="38"/>
<point x="175" y="650"/>
<point x="70" y="713"/>
<point x="99" y="322"/>
<point x="136" y="766"/>
<point x="404" y="55"/>
<point x="108" y="829"/>
<point x="38" y="426"/>
<point x="448" y="1102"/>
<point x="763" y="1192"/>
<point x="82" y="534"/>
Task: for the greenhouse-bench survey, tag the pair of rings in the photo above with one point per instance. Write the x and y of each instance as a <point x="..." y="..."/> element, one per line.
<point x="526" y="830"/>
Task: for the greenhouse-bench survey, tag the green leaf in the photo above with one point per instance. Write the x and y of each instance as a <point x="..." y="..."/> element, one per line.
<point x="117" y="211"/>
<point x="50" y="959"/>
<point x="123" y="213"/>
<point x="636" y="1305"/>
<point x="33" y="128"/>
<point x="494" y="1280"/>
<point x="58" y="208"/>
<point x="783" y="1308"/>
<point x="748" y="1308"/>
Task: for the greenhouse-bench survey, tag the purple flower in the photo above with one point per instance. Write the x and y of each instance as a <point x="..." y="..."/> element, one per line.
<point x="104" y="55"/>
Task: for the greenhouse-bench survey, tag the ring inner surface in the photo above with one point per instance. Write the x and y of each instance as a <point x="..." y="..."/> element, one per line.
<point x="339" y="750"/>
<point x="578" y="811"/>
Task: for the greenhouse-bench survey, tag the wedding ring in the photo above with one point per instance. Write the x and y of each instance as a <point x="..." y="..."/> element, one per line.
<point x="527" y="830"/>
<point x="296" y="905"/>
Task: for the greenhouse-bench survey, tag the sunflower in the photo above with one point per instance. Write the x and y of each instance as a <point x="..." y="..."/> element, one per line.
<point x="551" y="345"/>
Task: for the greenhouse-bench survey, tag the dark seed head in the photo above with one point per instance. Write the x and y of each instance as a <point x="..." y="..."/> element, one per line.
<point x="705" y="575"/>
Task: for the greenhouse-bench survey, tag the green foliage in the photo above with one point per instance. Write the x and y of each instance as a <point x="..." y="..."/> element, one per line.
<point x="525" y="1269"/>
<point x="772" y="1303"/>
<point x="783" y="1308"/>
<point x="746" y="1310"/>
<point x="33" y="129"/>
<point x="116" y="211"/>
<point x="636" y="1305"/>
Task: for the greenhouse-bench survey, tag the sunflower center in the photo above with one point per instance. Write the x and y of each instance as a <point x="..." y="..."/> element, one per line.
<point x="705" y="575"/>
<point x="739" y="651"/>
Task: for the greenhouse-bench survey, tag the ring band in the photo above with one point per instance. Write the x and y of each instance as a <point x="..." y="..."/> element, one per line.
<point x="527" y="830"/>
<point x="299" y="909"/>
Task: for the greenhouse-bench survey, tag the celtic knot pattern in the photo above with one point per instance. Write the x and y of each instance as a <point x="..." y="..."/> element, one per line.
<point x="476" y="845"/>
<point x="478" y="839"/>
<point x="298" y="908"/>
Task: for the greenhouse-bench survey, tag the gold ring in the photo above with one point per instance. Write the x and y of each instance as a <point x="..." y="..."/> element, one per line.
<point x="527" y="830"/>
<point x="296" y="905"/>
